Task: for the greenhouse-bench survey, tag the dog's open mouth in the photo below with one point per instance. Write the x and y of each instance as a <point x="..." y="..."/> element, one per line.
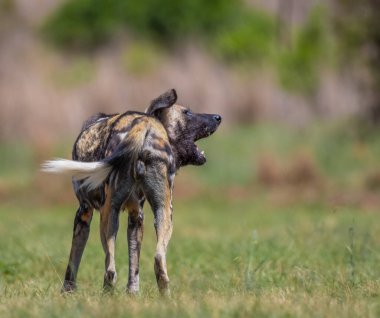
<point x="200" y="157"/>
<point x="203" y="127"/>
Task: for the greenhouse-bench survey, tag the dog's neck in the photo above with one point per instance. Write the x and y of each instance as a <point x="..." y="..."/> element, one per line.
<point x="181" y="147"/>
<point x="179" y="152"/>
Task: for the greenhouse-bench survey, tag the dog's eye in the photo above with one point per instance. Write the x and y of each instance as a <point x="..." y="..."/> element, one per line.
<point x="187" y="112"/>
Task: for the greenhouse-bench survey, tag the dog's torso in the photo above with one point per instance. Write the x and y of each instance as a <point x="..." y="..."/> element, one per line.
<point x="143" y="136"/>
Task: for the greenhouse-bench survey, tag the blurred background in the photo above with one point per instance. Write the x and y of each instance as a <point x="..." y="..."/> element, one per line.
<point x="297" y="83"/>
<point x="283" y="218"/>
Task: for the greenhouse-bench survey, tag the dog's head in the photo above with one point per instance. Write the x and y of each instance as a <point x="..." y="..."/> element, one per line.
<point x="184" y="127"/>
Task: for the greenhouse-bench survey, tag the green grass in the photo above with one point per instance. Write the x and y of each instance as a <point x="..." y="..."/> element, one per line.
<point x="224" y="259"/>
<point x="239" y="248"/>
<point x="16" y="164"/>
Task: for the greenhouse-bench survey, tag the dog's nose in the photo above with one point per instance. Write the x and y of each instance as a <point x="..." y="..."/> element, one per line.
<point x="218" y="118"/>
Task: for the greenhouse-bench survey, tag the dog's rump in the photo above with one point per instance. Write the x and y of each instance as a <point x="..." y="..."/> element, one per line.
<point x="92" y="141"/>
<point x="101" y="135"/>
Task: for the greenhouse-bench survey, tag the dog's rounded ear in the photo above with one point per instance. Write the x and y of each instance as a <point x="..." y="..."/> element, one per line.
<point x="165" y="100"/>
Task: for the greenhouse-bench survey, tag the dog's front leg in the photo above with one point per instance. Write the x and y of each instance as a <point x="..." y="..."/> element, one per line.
<point x="81" y="232"/>
<point x="109" y="225"/>
<point x="135" y="236"/>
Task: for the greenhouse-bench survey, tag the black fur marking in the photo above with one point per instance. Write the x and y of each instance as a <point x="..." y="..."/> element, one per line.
<point x="111" y="129"/>
<point x="172" y="169"/>
<point x="132" y="112"/>
<point x="121" y="156"/>
<point x="151" y="161"/>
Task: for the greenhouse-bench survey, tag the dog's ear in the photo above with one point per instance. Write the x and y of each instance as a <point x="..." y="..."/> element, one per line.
<point x="165" y="100"/>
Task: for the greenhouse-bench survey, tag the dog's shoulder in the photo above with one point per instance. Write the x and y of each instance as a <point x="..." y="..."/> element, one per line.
<point x="135" y="128"/>
<point x="126" y="121"/>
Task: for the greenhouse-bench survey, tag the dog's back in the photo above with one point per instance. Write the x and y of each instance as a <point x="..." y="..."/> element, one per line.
<point x="122" y="139"/>
<point x="92" y="141"/>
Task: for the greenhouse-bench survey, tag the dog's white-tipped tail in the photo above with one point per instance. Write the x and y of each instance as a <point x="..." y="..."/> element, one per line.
<point x="94" y="173"/>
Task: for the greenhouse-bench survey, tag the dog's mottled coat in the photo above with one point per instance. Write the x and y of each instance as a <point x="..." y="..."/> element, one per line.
<point x="121" y="160"/>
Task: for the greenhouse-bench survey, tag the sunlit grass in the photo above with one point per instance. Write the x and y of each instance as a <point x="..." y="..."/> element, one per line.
<point x="224" y="259"/>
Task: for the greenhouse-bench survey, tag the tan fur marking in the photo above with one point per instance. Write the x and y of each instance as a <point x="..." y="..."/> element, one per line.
<point x="173" y="116"/>
<point x="132" y="206"/>
<point x="86" y="217"/>
<point x="125" y="121"/>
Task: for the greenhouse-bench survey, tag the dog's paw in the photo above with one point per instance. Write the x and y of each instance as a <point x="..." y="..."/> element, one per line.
<point x="68" y="287"/>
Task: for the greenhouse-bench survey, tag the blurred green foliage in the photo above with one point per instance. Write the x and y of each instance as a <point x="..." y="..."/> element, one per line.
<point x="357" y="24"/>
<point x="298" y="65"/>
<point x="83" y="23"/>
<point x="234" y="31"/>
<point x="78" y="72"/>
<point x="7" y="10"/>
<point x="87" y="23"/>
<point x="141" y="57"/>
<point x="251" y="38"/>
<point x="169" y="20"/>
<point x="238" y="34"/>
<point x="6" y="6"/>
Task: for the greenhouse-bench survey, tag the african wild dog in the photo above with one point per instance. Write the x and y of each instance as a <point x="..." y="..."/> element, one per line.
<point x="119" y="161"/>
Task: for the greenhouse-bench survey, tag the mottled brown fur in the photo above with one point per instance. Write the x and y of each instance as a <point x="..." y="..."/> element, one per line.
<point x="142" y="151"/>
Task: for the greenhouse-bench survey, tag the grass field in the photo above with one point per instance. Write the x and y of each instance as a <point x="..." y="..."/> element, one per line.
<point x="277" y="224"/>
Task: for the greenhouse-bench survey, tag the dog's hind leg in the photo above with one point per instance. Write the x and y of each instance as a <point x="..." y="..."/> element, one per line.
<point x="135" y="236"/>
<point x="81" y="232"/>
<point x="157" y="188"/>
<point x="164" y="227"/>
<point x="109" y="225"/>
